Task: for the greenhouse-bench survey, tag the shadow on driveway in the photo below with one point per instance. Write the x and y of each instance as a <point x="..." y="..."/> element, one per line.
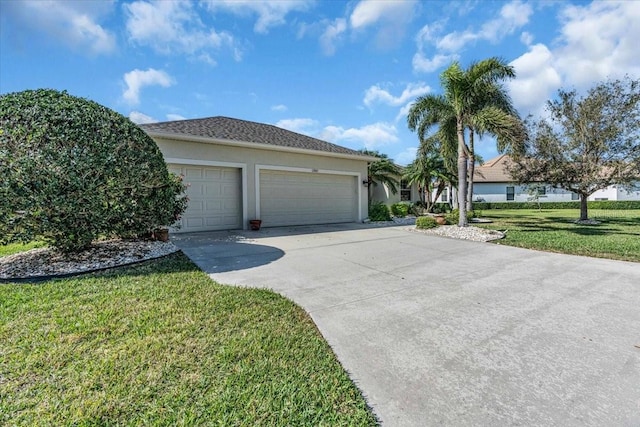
<point x="219" y="252"/>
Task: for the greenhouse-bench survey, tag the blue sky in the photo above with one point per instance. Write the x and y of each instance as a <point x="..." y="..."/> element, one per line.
<point x="342" y="71"/>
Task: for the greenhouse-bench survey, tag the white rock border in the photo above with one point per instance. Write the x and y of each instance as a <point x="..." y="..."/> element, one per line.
<point x="44" y="262"/>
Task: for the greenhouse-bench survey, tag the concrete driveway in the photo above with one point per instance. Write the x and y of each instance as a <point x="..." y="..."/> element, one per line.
<point x="438" y="331"/>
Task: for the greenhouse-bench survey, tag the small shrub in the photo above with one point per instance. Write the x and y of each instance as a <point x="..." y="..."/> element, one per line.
<point x="400" y="210"/>
<point x="73" y="170"/>
<point x="424" y="222"/>
<point x="378" y="211"/>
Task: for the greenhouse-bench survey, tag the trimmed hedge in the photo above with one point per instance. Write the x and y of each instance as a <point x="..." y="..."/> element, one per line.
<point x="599" y="204"/>
<point x="426" y="222"/>
<point x="73" y="171"/>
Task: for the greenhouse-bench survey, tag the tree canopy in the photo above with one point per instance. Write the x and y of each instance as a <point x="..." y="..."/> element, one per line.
<point x="73" y="170"/>
<point x="585" y="143"/>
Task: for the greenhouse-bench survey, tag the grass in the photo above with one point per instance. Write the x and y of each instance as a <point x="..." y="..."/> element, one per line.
<point x="162" y="344"/>
<point x="554" y="230"/>
<point x="14" y="248"/>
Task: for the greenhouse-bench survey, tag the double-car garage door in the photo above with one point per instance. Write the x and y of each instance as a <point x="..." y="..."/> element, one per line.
<point x="285" y="198"/>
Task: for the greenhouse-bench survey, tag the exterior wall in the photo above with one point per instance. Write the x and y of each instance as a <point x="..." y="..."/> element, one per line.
<point x="251" y="160"/>
<point x="382" y="193"/>
<point x="497" y="192"/>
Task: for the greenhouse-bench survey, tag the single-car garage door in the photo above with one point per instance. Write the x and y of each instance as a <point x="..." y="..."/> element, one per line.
<point x="215" y="198"/>
<point x="298" y="198"/>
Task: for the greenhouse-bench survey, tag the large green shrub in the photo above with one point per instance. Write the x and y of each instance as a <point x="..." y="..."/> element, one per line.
<point x="400" y="209"/>
<point x="425" y="222"/>
<point x="378" y="211"/>
<point x="73" y="170"/>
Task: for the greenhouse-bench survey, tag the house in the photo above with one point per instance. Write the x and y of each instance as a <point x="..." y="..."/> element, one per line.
<point x="492" y="183"/>
<point x="406" y="193"/>
<point x="238" y="170"/>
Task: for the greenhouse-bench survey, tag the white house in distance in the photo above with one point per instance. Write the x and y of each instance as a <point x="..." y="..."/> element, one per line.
<point x="492" y="183"/>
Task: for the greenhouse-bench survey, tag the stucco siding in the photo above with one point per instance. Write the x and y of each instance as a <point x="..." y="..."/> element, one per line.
<point x="251" y="160"/>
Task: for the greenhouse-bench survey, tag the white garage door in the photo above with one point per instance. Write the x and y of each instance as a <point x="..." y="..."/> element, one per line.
<point x="215" y="198"/>
<point x="295" y="198"/>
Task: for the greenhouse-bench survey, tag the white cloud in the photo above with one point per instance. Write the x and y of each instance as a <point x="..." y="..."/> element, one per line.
<point x="331" y="35"/>
<point x="596" y="42"/>
<point x="74" y="23"/>
<point x="425" y="65"/>
<point x="536" y="79"/>
<point x="270" y="13"/>
<point x="141" y="118"/>
<point x="175" y="117"/>
<point x="512" y="16"/>
<point x="526" y="38"/>
<point x="377" y="95"/>
<point x="370" y="136"/>
<point x="279" y="107"/>
<point x="302" y="125"/>
<point x="174" y="27"/>
<point x="406" y="156"/>
<point x="599" y="40"/>
<point x="137" y="79"/>
<point x="390" y="17"/>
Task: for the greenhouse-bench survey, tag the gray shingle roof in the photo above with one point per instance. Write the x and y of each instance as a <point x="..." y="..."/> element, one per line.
<point x="245" y="131"/>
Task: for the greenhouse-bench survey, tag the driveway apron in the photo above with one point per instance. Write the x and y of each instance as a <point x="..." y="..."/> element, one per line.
<point x="438" y="331"/>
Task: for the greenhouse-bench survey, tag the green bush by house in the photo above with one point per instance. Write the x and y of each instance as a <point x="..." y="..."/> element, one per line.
<point x="378" y="211"/>
<point x="426" y="222"/>
<point x="598" y="204"/>
<point x="73" y="170"/>
<point x="453" y="216"/>
<point x="400" y="209"/>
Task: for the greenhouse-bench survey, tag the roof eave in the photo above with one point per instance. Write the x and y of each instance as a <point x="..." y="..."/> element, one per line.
<point x="255" y="145"/>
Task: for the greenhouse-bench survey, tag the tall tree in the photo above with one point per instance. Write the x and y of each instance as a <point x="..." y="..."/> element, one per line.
<point x="585" y="143"/>
<point x="382" y="171"/>
<point x="465" y="107"/>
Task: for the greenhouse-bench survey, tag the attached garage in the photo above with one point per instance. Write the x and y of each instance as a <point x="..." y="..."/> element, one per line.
<point x="215" y="197"/>
<point x="238" y="170"/>
<point x="303" y="198"/>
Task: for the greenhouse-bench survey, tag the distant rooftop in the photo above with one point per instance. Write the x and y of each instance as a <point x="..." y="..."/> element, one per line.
<point x="494" y="170"/>
<point x="226" y="128"/>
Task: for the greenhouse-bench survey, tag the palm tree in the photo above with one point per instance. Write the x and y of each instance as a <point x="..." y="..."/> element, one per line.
<point x="429" y="173"/>
<point x="470" y="104"/>
<point x="382" y="171"/>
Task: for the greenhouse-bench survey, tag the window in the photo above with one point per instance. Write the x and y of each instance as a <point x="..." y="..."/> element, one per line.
<point x="405" y="191"/>
<point x="443" y="196"/>
<point x="575" y="196"/>
<point x="542" y="191"/>
<point x="511" y="194"/>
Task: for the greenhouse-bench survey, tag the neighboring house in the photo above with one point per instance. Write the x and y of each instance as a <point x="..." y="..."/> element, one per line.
<point x="492" y="183"/>
<point x="406" y="193"/>
<point x="239" y="170"/>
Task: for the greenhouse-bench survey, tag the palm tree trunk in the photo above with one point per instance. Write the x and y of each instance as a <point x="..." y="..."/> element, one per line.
<point x="462" y="176"/>
<point x="472" y="167"/>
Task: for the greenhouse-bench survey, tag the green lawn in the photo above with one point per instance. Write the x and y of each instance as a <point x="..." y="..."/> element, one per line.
<point x="616" y="237"/>
<point x="14" y="248"/>
<point x="162" y="344"/>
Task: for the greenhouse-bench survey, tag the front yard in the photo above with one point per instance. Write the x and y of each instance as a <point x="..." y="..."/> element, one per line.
<point x="162" y="344"/>
<point x="554" y="230"/>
